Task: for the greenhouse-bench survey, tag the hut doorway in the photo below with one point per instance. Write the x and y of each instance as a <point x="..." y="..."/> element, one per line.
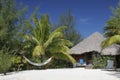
<point x="87" y="57"/>
<point x="118" y="61"/>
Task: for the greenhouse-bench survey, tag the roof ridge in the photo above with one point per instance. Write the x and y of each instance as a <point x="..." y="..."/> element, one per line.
<point x="90" y="43"/>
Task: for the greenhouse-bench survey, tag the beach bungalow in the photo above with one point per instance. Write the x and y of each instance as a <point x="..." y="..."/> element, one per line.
<point x="91" y="46"/>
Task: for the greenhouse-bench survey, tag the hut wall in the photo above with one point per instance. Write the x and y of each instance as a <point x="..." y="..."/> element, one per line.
<point x="78" y="57"/>
<point x="88" y="57"/>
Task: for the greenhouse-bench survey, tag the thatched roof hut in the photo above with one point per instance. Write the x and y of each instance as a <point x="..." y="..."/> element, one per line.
<point x="92" y="43"/>
<point x="86" y="48"/>
<point x="111" y="50"/>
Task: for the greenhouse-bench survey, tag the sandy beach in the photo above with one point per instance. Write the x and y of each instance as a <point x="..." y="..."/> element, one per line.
<point x="63" y="74"/>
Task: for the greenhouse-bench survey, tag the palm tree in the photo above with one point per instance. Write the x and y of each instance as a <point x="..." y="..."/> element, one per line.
<point x="47" y="41"/>
<point x="112" y="32"/>
<point x="112" y="40"/>
<point x="112" y="29"/>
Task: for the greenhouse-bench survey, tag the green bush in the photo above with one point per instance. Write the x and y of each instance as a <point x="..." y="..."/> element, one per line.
<point x="18" y="63"/>
<point x="100" y="62"/>
<point x="5" y="61"/>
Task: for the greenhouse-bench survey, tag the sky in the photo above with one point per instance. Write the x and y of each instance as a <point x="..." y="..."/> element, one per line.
<point x="90" y="15"/>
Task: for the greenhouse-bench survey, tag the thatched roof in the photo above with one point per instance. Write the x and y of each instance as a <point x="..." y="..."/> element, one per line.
<point x="92" y="43"/>
<point x="111" y="50"/>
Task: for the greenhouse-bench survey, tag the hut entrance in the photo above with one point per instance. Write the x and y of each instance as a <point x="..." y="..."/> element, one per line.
<point x="118" y="61"/>
<point x="87" y="57"/>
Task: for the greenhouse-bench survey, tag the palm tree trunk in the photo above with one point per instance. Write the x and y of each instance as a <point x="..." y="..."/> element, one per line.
<point x="41" y="58"/>
<point x="4" y="72"/>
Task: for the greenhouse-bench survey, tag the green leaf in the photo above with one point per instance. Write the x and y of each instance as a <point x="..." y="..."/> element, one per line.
<point x="112" y="40"/>
<point x="38" y="50"/>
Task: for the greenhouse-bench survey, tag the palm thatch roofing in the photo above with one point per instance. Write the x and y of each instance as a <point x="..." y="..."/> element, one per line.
<point x="92" y="43"/>
<point x="111" y="50"/>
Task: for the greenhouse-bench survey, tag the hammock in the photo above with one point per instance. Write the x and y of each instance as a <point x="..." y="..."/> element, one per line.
<point x="38" y="64"/>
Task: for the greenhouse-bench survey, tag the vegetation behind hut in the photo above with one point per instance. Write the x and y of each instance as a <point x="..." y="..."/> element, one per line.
<point x="70" y="33"/>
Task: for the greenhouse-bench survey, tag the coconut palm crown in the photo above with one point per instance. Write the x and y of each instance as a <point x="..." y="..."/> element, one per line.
<point x="47" y="41"/>
<point x="112" y="32"/>
<point x="112" y="29"/>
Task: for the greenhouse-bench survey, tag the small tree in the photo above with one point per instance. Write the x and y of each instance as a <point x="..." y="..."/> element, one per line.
<point x="100" y="62"/>
<point x="112" y="28"/>
<point x="46" y="41"/>
<point x="5" y="61"/>
<point x="70" y="33"/>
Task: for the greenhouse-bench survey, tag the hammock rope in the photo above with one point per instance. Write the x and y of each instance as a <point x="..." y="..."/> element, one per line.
<point x="38" y="64"/>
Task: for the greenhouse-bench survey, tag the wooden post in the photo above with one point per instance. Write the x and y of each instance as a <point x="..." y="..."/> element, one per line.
<point x="41" y="58"/>
<point x="86" y="58"/>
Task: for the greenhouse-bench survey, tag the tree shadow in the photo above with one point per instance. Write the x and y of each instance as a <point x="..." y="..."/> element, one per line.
<point x="116" y="74"/>
<point x="9" y="73"/>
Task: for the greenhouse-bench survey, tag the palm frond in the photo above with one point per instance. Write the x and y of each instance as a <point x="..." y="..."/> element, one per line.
<point x="60" y="29"/>
<point x="31" y="39"/>
<point x="67" y="43"/>
<point x="44" y="27"/>
<point x="66" y="57"/>
<point x="113" y="27"/>
<point x="38" y="50"/>
<point x="61" y="50"/>
<point x="51" y="37"/>
<point x="70" y="58"/>
<point x="31" y="27"/>
<point x="111" y="40"/>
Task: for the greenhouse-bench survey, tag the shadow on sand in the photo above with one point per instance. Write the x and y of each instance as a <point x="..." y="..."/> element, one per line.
<point x="116" y="74"/>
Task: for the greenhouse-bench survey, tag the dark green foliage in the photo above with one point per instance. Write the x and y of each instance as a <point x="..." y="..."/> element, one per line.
<point x="5" y="61"/>
<point x="113" y="24"/>
<point x="18" y="63"/>
<point x="70" y="33"/>
<point x="116" y="11"/>
<point x="11" y="27"/>
<point x="112" y="28"/>
<point x="100" y="62"/>
<point x="11" y="18"/>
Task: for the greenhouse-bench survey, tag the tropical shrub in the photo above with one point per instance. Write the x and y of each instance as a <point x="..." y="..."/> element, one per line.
<point x="18" y="63"/>
<point x="5" y="61"/>
<point x="100" y="62"/>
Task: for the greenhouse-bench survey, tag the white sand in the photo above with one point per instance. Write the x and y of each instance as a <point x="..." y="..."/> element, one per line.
<point x="63" y="74"/>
